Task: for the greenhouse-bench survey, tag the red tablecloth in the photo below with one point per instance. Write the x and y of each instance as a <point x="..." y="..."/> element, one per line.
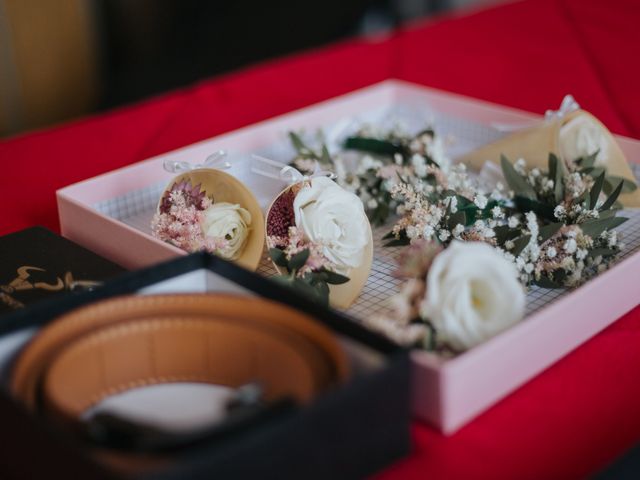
<point x="570" y="420"/>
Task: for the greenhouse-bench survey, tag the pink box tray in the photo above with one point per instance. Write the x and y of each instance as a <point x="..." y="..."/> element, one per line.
<point x="110" y="215"/>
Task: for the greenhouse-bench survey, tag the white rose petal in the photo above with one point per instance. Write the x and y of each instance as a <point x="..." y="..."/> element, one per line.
<point x="230" y="222"/>
<point x="331" y="216"/>
<point x="473" y="293"/>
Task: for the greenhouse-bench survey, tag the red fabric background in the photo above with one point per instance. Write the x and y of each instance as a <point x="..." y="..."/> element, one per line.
<point x="567" y="422"/>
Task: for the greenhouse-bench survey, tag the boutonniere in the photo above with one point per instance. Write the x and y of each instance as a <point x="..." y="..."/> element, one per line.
<point x="319" y="238"/>
<point x="206" y="209"/>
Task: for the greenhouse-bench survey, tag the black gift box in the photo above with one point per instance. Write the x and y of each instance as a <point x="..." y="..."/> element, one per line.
<point x="349" y="432"/>
<point x="37" y="267"/>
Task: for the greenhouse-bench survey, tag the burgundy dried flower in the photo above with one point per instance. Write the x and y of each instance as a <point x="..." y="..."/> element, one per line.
<point x="281" y="215"/>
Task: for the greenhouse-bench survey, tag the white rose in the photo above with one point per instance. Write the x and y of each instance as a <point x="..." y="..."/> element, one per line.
<point x="472" y="294"/>
<point x="230" y="222"/>
<point x="582" y="136"/>
<point x="334" y="218"/>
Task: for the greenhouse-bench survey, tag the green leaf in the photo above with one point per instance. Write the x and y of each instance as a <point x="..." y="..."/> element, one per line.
<point x="398" y="242"/>
<point x="594" y="228"/>
<point x="504" y="233"/>
<point x="516" y="182"/>
<point x="607" y="213"/>
<point x="588" y="161"/>
<point x="594" y="194"/>
<point x="297" y="142"/>
<point x="456" y="218"/>
<point x="298" y="260"/>
<point x="546" y="282"/>
<point x="520" y="244"/>
<point x="335" y="278"/>
<point x="605" y="252"/>
<point x="373" y="145"/>
<point x="306" y="289"/>
<point x="553" y="165"/>
<point x="325" y="157"/>
<point x="401" y="239"/>
<point x="323" y="292"/>
<point x="549" y="231"/>
<point x="628" y="185"/>
<point x="612" y="198"/>
<point x="595" y="172"/>
<point x="556" y="172"/>
<point x="542" y="209"/>
<point x="278" y="257"/>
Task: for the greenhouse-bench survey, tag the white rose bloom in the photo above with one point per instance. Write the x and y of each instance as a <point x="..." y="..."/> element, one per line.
<point x="334" y="218"/>
<point x="230" y="222"/>
<point x="473" y="293"/>
<point x="582" y="136"/>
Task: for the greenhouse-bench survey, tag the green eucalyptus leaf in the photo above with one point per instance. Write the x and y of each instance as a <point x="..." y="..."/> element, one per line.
<point x="546" y="282"/>
<point x="516" y="182"/>
<point x="325" y="157"/>
<point x="587" y="161"/>
<point x="335" y="278"/>
<point x="297" y="142"/>
<point x="323" y="292"/>
<point x="374" y="145"/>
<point x="594" y="194"/>
<point x="504" y="233"/>
<point x="306" y="289"/>
<point x="298" y="260"/>
<point x="398" y="242"/>
<point x="594" y="172"/>
<point x="558" y="183"/>
<point x="553" y="165"/>
<point x="604" y="252"/>
<point x="628" y="185"/>
<point x="612" y="198"/>
<point x="549" y="231"/>
<point x="607" y="213"/>
<point x="457" y="218"/>
<point x="524" y="205"/>
<point x="519" y="244"/>
<point x="594" y="228"/>
<point x="278" y="257"/>
<point x="556" y="174"/>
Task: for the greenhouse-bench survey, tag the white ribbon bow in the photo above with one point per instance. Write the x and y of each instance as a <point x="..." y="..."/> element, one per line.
<point x="215" y="160"/>
<point x="287" y="173"/>
<point x="567" y="106"/>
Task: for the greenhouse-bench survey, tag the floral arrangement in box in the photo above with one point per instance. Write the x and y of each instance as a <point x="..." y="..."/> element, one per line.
<point x="188" y="219"/>
<point x="204" y="208"/>
<point x="475" y="242"/>
<point x="473" y="254"/>
<point x="318" y="235"/>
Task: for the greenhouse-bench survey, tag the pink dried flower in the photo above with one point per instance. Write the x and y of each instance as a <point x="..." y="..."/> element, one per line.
<point x="183" y="191"/>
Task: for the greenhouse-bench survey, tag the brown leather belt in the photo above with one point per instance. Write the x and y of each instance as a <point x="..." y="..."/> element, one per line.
<point x="127" y="342"/>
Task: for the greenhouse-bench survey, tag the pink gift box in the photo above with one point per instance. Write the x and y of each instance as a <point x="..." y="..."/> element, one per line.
<point x="109" y="214"/>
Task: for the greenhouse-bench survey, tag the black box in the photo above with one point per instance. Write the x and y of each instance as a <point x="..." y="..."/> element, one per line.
<point x="37" y="267"/>
<point x="349" y="432"/>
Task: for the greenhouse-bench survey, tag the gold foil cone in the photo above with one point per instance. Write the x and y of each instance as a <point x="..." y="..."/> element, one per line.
<point x="535" y="143"/>
<point x="223" y="187"/>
